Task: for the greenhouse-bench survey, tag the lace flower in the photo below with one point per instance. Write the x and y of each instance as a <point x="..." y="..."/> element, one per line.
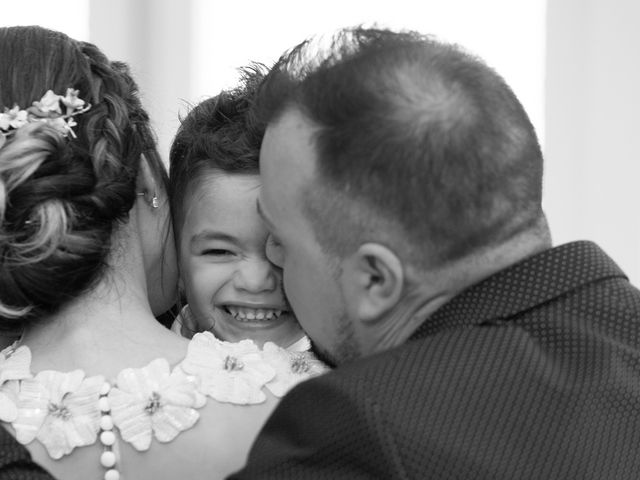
<point x="60" y="410"/>
<point x="291" y="367"/>
<point x="14" y="366"/>
<point x="228" y="372"/>
<point x="152" y="401"/>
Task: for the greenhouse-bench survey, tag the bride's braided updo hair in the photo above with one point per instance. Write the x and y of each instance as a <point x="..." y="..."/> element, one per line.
<point x="62" y="198"/>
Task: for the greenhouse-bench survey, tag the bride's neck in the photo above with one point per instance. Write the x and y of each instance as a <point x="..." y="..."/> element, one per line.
<point x="106" y="329"/>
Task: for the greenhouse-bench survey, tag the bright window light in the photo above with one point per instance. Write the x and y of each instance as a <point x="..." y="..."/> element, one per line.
<point x="508" y="35"/>
<point x="68" y="16"/>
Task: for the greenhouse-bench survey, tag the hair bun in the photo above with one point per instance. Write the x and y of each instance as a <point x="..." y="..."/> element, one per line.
<point x="20" y="158"/>
<point x="35" y="216"/>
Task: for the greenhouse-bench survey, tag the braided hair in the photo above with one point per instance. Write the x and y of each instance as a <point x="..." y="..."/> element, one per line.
<point x="61" y="199"/>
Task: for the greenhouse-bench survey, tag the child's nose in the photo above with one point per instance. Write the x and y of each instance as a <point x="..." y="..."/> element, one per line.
<point x="256" y="276"/>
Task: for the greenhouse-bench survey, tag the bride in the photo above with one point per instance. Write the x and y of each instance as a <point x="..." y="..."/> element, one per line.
<point x="95" y="387"/>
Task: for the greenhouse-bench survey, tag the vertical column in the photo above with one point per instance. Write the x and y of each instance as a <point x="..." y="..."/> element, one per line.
<point x="154" y="37"/>
<point x="592" y="186"/>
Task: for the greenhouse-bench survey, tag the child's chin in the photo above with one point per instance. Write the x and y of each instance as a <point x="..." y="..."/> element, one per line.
<point x="283" y="331"/>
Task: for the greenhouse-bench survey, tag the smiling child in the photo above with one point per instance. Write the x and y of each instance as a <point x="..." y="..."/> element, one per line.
<point x="231" y="288"/>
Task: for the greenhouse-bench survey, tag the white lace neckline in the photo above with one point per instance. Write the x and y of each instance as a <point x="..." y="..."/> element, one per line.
<point x="66" y="410"/>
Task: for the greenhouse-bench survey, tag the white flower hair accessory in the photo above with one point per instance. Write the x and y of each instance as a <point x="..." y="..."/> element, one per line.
<point x="48" y="109"/>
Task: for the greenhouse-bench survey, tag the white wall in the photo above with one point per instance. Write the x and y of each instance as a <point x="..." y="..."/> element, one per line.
<point x="508" y="34"/>
<point x="153" y="36"/>
<point x="592" y="187"/>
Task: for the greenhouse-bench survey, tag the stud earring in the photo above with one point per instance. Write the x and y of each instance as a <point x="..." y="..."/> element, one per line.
<point x="155" y="203"/>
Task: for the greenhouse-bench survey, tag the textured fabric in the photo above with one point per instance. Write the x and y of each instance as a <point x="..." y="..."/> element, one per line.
<point x="533" y="373"/>
<point x="15" y="461"/>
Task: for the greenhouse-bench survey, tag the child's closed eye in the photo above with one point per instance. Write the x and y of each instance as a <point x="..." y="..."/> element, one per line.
<point x="217" y="252"/>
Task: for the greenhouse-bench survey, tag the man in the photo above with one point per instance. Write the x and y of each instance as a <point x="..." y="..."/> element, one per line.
<point x="402" y="181"/>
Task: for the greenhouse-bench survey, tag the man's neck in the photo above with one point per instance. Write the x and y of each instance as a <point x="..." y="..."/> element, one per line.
<point x="427" y="291"/>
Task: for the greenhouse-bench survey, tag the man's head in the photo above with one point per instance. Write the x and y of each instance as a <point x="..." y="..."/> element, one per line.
<point x="390" y="155"/>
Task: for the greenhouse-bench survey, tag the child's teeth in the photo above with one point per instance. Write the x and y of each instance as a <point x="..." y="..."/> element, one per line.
<point x="260" y="314"/>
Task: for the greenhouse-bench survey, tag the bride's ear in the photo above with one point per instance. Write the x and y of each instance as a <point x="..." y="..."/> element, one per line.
<point x="155" y="233"/>
<point x="147" y="184"/>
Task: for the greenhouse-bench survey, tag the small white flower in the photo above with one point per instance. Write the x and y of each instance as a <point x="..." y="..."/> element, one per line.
<point x="228" y="372"/>
<point x="71" y="100"/>
<point x="60" y="410"/>
<point x="152" y="401"/>
<point x="291" y="367"/>
<point x="50" y="102"/>
<point x="60" y="124"/>
<point x="18" y="117"/>
<point x="14" y="118"/>
<point x="5" y="121"/>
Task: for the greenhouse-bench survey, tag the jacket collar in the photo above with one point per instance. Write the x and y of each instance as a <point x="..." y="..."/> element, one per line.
<point x="522" y="286"/>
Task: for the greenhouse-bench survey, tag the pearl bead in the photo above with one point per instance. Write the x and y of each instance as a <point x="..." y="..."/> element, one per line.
<point x="105" y="388"/>
<point x="108" y="459"/>
<point x="106" y="422"/>
<point x="107" y="438"/>
<point x="112" y="475"/>
<point x="103" y="404"/>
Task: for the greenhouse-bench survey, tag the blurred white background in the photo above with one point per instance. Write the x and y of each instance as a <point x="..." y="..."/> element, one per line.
<point x="574" y="64"/>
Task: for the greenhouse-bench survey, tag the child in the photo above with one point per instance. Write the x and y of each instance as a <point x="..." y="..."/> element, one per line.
<point x="231" y="289"/>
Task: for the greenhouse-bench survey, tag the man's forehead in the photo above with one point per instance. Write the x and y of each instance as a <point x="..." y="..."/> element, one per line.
<point x="287" y="162"/>
<point x="288" y="146"/>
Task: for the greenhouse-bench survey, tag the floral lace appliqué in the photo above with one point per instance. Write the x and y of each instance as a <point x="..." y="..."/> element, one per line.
<point x="68" y="410"/>
<point x="228" y="372"/>
<point x="14" y="366"/>
<point x="153" y="401"/>
<point x="60" y="410"/>
<point x="291" y="367"/>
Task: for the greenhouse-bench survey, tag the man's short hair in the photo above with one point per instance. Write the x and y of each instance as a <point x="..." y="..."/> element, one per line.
<point x="219" y="134"/>
<point x="415" y="137"/>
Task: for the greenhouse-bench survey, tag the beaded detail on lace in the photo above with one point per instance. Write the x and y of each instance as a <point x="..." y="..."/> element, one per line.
<point x="66" y="410"/>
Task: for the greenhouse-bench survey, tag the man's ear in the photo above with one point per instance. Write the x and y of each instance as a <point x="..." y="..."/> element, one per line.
<point x="374" y="280"/>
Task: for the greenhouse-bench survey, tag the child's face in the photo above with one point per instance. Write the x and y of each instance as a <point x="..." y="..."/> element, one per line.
<point x="228" y="281"/>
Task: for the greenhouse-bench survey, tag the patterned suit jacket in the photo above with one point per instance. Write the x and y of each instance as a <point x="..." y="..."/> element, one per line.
<point x="15" y="461"/>
<point x="534" y="373"/>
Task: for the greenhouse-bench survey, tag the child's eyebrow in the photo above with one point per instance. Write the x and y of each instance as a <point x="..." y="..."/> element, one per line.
<point x="212" y="235"/>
